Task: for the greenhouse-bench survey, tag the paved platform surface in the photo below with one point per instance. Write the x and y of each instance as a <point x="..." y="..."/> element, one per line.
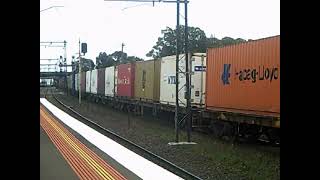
<point x="52" y="164"/>
<point x="65" y="155"/>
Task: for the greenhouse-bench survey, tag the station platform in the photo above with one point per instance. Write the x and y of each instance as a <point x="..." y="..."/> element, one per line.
<point x="72" y="150"/>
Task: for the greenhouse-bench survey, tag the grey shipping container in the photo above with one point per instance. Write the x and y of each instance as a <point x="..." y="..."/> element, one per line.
<point x="101" y="81"/>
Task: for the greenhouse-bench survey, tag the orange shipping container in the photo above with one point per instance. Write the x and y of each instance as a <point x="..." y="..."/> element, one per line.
<point x="245" y="77"/>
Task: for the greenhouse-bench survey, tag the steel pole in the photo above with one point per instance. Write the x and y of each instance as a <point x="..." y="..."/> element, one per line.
<point x="176" y="118"/>
<point x="79" y="73"/>
<point x="188" y="72"/>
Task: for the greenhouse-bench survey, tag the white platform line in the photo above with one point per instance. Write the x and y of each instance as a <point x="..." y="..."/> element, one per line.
<point x="142" y="167"/>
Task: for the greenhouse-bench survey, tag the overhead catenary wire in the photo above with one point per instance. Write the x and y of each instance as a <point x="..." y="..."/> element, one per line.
<point x="150" y="1"/>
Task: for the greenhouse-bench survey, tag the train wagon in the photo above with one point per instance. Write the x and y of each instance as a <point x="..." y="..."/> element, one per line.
<point x="101" y="81"/>
<point x="245" y="77"/>
<point x="125" y="80"/>
<point x="83" y="82"/>
<point x="73" y="76"/>
<point x="109" y="81"/>
<point x="69" y="80"/>
<point x="76" y="82"/>
<point x="168" y="79"/>
<point x="94" y="83"/>
<point x="88" y="81"/>
<point x="147" y="80"/>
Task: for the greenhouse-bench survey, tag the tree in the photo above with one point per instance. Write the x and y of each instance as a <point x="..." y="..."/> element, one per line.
<point x="133" y="58"/>
<point x="198" y="42"/>
<point x="120" y="57"/>
<point x="117" y="57"/>
<point x="166" y="45"/>
<point x="103" y="60"/>
<point x="86" y="65"/>
<point x="214" y="42"/>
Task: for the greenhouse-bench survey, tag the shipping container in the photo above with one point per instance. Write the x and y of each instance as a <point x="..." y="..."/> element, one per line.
<point x="76" y="81"/>
<point x="101" y="81"/>
<point x="197" y="66"/>
<point x="147" y="80"/>
<point x="125" y="80"/>
<point x="83" y="82"/>
<point x="109" y="81"/>
<point x="198" y="79"/>
<point x="73" y="76"/>
<point x="245" y="77"/>
<point x="69" y="80"/>
<point x="88" y="82"/>
<point x="94" y="83"/>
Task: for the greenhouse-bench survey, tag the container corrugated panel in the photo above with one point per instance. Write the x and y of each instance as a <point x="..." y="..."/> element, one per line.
<point x="83" y="82"/>
<point x="245" y="77"/>
<point x="101" y="81"/>
<point x="125" y="80"/>
<point x="76" y="81"/>
<point x="69" y="80"/>
<point x="88" y="82"/>
<point x="168" y="75"/>
<point x="109" y="81"/>
<point x="94" y="83"/>
<point x="156" y="82"/>
<point x="145" y="80"/>
<point x="73" y="76"/>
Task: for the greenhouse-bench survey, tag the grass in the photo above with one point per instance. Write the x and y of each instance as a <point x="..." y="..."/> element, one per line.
<point x="239" y="161"/>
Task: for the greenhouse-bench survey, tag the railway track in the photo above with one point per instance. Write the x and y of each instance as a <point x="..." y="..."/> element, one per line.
<point x="132" y="146"/>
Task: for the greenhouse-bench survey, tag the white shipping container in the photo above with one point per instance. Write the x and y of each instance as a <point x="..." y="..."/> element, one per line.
<point x="109" y="81"/>
<point x="76" y="81"/>
<point x="94" y="83"/>
<point x="168" y="75"/>
<point x="198" y="78"/>
<point x="88" y="81"/>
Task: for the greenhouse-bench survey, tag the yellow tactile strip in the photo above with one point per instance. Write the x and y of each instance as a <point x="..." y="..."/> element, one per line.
<point x="85" y="163"/>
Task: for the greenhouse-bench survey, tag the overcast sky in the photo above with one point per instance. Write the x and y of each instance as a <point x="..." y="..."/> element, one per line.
<point x="105" y="25"/>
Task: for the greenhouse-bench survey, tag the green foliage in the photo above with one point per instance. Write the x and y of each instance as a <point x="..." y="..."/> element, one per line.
<point x="86" y="65"/>
<point x="215" y="42"/>
<point x="166" y="45"/>
<point x="198" y="42"/>
<point x="117" y="57"/>
<point x="103" y="60"/>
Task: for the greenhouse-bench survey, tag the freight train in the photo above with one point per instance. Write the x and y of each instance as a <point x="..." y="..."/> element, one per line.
<point x="235" y="90"/>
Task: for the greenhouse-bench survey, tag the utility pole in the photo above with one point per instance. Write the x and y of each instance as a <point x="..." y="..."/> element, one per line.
<point x="176" y="117"/>
<point x="188" y="73"/>
<point x="122" y="47"/>
<point x="79" y="73"/>
<point x="122" y="51"/>
<point x="65" y="63"/>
